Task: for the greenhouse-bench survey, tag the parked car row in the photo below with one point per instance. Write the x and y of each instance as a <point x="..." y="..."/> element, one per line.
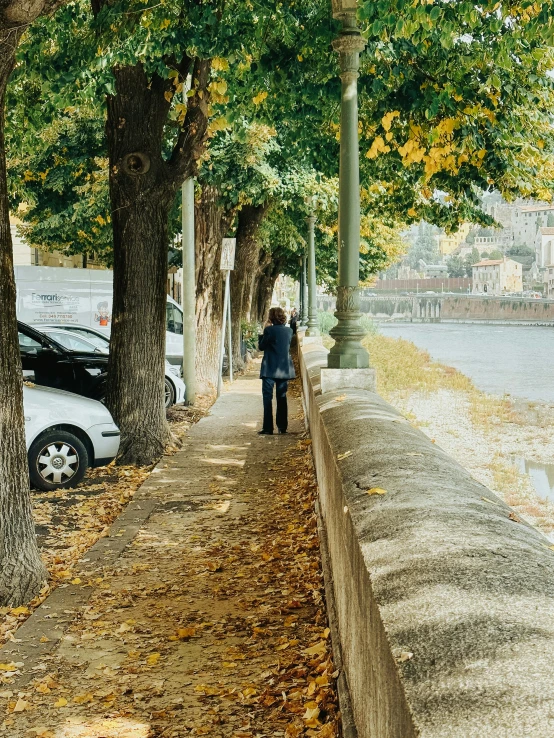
<point x="67" y="427"/>
<point x="75" y="358"/>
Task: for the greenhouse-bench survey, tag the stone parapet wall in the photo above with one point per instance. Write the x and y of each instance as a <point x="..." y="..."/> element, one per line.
<point x="445" y="601"/>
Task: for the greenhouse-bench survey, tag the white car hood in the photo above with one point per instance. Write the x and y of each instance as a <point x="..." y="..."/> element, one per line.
<point x="60" y="401"/>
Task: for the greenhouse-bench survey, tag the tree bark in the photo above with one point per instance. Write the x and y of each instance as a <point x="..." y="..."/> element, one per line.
<point x="246" y="263"/>
<point x="266" y="284"/>
<point x="22" y="572"/>
<point x="211" y="225"/>
<point x="143" y="187"/>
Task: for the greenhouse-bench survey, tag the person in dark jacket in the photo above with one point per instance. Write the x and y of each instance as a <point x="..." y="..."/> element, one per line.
<point x="277" y="369"/>
<point x="293" y="320"/>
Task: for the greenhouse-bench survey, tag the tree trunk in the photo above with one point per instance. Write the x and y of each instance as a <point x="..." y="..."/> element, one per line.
<point x="264" y="258"/>
<point x="266" y="285"/>
<point x="268" y="271"/>
<point x="211" y="225"/>
<point x="143" y="186"/>
<point x="246" y="262"/>
<point x="141" y="198"/>
<point x="21" y="570"/>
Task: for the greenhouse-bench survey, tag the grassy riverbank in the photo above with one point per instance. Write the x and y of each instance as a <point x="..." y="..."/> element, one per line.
<point x="483" y="432"/>
<point x="486" y="434"/>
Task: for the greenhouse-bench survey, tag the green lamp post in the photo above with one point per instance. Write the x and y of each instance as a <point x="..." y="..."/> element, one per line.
<point x="313" y="329"/>
<point x="304" y="288"/>
<point x="348" y="352"/>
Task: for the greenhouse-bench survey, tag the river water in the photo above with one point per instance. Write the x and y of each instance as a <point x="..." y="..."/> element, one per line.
<point x="500" y="359"/>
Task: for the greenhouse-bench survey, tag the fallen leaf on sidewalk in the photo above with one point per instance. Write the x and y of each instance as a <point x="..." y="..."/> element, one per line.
<point x="21" y="705"/>
<point x="345" y="455"/>
<point x="405" y="656"/>
<point x="319" y="649"/>
<point x="376" y="491"/>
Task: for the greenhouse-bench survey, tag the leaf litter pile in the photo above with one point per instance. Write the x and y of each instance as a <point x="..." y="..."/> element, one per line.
<point x="68" y="522"/>
<point x="211" y="623"/>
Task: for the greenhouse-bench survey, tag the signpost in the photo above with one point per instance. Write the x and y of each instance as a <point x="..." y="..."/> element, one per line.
<point x="227" y="265"/>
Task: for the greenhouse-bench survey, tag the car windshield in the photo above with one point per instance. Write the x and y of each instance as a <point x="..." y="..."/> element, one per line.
<point x="96" y="340"/>
<point x="70" y="341"/>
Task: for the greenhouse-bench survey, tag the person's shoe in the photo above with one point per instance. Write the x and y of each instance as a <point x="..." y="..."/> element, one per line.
<point x="265" y="433"/>
<point x="282" y="432"/>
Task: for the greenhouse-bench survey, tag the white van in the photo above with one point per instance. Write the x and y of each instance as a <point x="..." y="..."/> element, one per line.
<point x="82" y="297"/>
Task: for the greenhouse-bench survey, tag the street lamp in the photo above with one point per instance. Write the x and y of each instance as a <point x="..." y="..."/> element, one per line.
<point x="313" y="329"/>
<point x="348" y="351"/>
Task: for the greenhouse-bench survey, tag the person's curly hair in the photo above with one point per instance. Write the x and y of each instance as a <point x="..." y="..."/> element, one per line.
<point x="277" y="316"/>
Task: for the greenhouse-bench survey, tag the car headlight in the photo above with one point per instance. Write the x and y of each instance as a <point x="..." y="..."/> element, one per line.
<point x="174" y="370"/>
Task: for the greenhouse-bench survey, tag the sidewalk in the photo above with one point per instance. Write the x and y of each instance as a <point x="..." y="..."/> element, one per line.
<point x="207" y="616"/>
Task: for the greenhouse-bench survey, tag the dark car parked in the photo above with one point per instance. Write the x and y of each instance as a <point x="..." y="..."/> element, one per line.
<point x="48" y="363"/>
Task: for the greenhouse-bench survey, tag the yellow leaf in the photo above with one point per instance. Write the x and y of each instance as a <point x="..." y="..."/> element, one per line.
<point x="60" y="702"/>
<point x="229" y="664"/>
<point x="318" y="650"/>
<point x="8" y="667"/>
<point x="345" y="455"/>
<point x="20" y="610"/>
<point x="153" y="659"/>
<point x="376" y="491"/>
<point x="340" y="398"/>
<point x="21" y="705"/>
<point x="44" y="639"/>
<point x="412" y="212"/>
<point x="77" y="579"/>
<point x="186" y="632"/>
<point x="219" y="64"/>
<point x="259" y="98"/>
<point x="387" y="120"/>
<point x="168" y="95"/>
<point x="82" y="699"/>
<point x="405" y="656"/>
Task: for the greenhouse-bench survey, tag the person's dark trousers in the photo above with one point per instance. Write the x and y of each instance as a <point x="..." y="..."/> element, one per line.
<point x="281" y="386"/>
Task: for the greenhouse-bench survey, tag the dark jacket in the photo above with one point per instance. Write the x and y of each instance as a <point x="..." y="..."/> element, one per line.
<point x="277" y="361"/>
<point x="293" y="323"/>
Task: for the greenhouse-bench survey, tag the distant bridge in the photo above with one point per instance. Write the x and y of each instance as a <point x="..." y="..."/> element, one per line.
<point x="452" y="308"/>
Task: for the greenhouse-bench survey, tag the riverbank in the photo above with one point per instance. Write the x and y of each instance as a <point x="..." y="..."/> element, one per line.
<point x="488" y="435"/>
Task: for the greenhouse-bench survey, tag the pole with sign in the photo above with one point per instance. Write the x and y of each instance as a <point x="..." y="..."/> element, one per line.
<point x="227" y="265"/>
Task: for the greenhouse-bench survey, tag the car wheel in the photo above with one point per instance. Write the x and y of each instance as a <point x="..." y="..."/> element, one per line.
<point x="57" y="459"/>
<point x="169" y="393"/>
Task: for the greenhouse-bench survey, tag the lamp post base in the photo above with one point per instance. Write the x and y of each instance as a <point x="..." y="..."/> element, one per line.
<point x="348" y="352"/>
